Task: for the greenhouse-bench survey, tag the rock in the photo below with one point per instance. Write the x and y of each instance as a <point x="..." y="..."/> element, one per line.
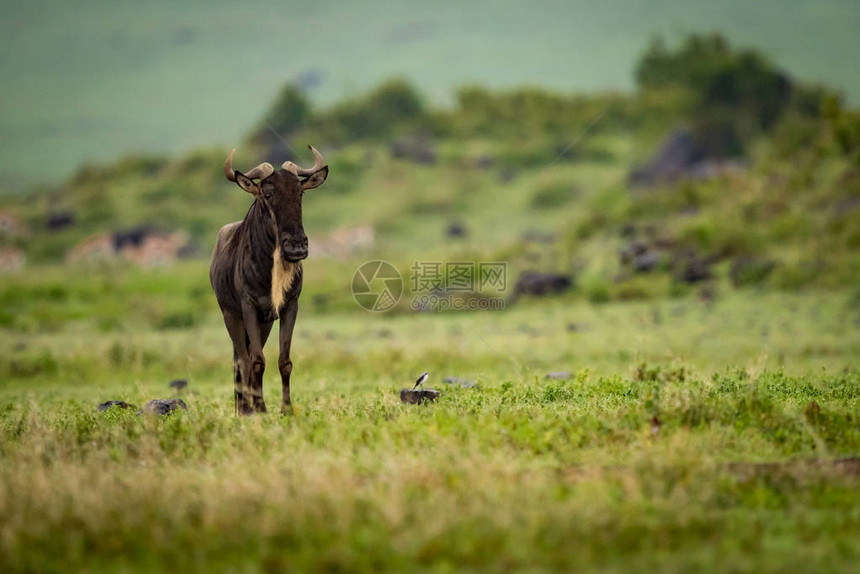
<point x="708" y="293"/>
<point x="418" y="149"/>
<point x="559" y="375"/>
<point x="485" y="162"/>
<point x="676" y="155"/>
<point x="539" y="283"/>
<point x="462" y="383"/>
<point x="189" y="251"/>
<point x="418" y="396"/>
<point x="109" y="404"/>
<point x="456" y="230"/>
<point x="699" y="156"/>
<point x="846" y="205"/>
<point x="162" y="406"/>
<point x="539" y="236"/>
<point x="646" y="262"/>
<point x="507" y="174"/>
<point x="60" y="220"/>
<point x="178" y="384"/>
<point x="633" y="249"/>
<point x="694" y="270"/>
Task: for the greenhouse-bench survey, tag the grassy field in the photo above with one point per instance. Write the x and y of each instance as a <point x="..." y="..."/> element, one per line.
<point x="92" y="81"/>
<point x="755" y="397"/>
<point x="707" y="417"/>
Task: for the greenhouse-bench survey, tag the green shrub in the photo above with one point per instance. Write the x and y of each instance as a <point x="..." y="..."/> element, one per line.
<point x="290" y="111"/>
<point x="796" y="275"/>
<point x="553" y="194"/>
<point x="597" y="289"/>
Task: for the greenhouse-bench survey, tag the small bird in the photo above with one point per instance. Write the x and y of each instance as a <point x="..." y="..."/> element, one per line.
<point x="421" y="380"/>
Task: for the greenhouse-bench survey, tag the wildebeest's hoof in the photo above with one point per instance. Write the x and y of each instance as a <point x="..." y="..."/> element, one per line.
<point x="162" y="406"/>
<point x="119" y="404"/>
<point x="416" y="397"/>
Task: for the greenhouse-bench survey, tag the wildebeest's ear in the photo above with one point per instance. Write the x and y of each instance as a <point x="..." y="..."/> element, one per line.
<point x="247" y="184"/>
<point x="315" y="180"/>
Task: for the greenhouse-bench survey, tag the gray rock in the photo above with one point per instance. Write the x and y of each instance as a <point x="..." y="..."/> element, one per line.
<point x="456" y="229"/>
<point x="538" y="283"/>
<point x="418" y="149"/>
<point x="416" y="397"/>
<point x="632" y="249"/>
<point x="646" y="262"/>
<point x="60" y="219"/>
<point x="693" y="270"/>
<point x="558" y="375"/>
<point x="162" y="406"/>
<point x="462" y="383"/>
<point x="539" y="236"/>
<point x="109" y="404"/>
<point x="701" y="156"/>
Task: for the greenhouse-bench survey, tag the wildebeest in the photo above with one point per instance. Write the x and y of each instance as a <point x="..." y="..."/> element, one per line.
<point x="256" y="272"/>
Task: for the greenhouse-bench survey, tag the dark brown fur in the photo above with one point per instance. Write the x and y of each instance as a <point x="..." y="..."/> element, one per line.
<point x="241" y="273"/>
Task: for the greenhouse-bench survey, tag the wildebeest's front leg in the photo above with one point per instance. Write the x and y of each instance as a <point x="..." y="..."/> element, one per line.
<point x="241" y="391"/>
<point x="259" y="403"/>
<point x="257" y="361"/>
<point x="285" y="365"/>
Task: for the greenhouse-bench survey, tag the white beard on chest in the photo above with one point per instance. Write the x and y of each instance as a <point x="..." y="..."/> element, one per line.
<point x="283" y="274"/>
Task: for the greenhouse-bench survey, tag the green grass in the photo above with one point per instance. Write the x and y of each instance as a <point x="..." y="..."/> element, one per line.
<point x="704" y="427"/>
<point x="756" y="394"/>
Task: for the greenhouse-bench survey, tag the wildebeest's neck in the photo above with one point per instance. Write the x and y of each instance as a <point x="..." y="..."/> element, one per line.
<point x="260" y="230"/>
<point x="266" y="277"/>
<point x="255" y="249"/>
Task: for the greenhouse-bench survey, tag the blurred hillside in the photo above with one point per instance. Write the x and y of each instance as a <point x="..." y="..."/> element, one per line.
<point x="92" y="81"/>
<point x="720" y="172"/>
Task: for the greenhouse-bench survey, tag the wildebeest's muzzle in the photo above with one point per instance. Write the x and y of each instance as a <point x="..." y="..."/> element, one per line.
<point x="294" y="249"/>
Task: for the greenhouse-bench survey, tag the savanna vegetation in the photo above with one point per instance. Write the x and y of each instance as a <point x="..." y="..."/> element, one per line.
<point x="703" y="414"/>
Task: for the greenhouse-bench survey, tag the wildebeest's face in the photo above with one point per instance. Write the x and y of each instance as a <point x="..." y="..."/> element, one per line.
<point x="281" y="193"/>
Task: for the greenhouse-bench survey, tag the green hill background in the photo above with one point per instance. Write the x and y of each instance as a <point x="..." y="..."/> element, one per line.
<point x="94" y="80"/>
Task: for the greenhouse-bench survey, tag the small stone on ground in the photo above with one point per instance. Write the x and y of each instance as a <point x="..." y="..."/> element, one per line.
<point x="162" y="406"/>
<point x="119" y="404"/>
<point x="416" y="397"/>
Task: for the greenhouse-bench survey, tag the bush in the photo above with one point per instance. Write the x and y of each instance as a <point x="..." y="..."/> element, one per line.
<point x="736" y="93"/>
<point x="746" y="271"/>
<point x="394" y="106"/>
<point x="289" y="112"/>
<point x="553" y="194"/>
<point x="597" y="289"/>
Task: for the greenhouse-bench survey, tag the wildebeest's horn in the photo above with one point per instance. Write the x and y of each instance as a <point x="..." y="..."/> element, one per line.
<point x="228" y="167"/>
<point x="319" y="163"/>
<point x="262" y="171"/>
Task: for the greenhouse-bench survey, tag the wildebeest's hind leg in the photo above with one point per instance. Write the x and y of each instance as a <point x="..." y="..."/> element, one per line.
<point x="256" y="359"/>
<point x="257" y="390"/>
<point x="241" y="371"/>
<point x="285" y="336"/>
